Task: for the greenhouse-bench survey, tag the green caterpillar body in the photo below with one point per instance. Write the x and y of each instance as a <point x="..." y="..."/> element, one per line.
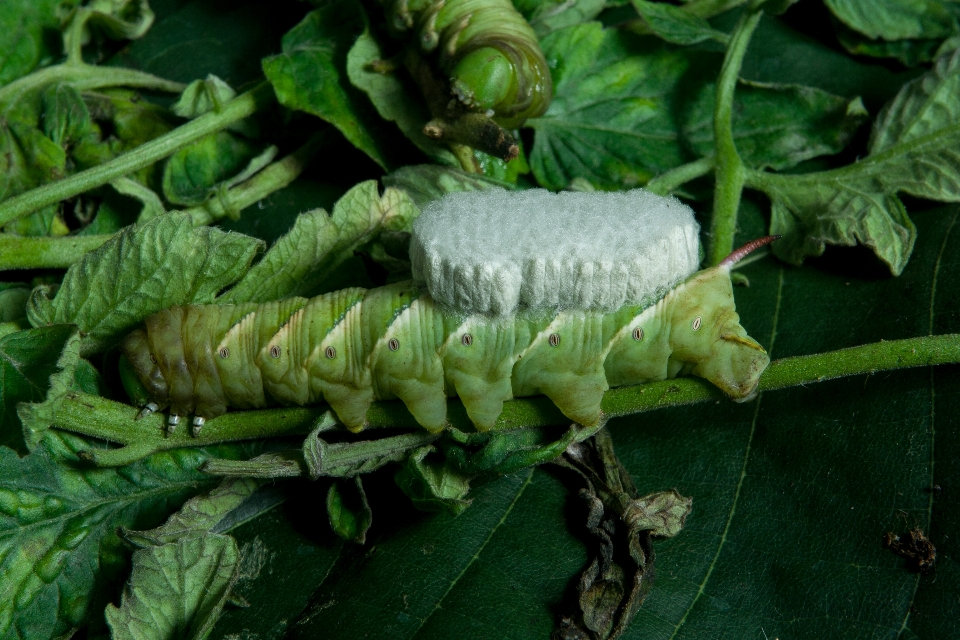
<point x="488" y="51"/>
<point x="354" y="346"/>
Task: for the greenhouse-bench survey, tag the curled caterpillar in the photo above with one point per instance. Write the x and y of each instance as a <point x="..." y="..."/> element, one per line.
<point x="487" y="50"/>
<point x="354" y="346"/>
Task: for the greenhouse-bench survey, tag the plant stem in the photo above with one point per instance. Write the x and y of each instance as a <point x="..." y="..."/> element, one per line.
<point x="74" y="35"/>
<point x="84" y="77"/>
<point x="19" y="252"/>
<point x="273" y="177"/>
<point x="113" y="421"/>
<point x="240" y="107"/>
<point x="730" y="170"/>
<point x="668" y="182"/>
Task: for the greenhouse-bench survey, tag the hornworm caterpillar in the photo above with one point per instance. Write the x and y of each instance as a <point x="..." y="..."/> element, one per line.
<point x="487" y="50"/>
<point x="354" y="346"/>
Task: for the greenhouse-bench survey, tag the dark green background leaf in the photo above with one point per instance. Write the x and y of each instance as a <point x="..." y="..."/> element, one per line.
<point x="27" y="360"/>
<point x="311" y="75"/>
<point x="777" y="126"/>
<point x="26" y="27"/>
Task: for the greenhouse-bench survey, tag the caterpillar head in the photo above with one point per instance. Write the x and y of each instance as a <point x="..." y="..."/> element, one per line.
<point x="706" y="331"/>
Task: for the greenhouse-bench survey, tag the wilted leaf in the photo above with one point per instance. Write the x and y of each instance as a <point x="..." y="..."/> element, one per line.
<point x="176" y="590"/>
<point x="140" y="271"/>
<point x="57" y="528"/>
<point x="915" y="148"/>
<point x="319" y="242"/>
<point x="152" y="205"/>
<point x="432" y="485"/>
<point x="203" y="96"/>
<point x="427" y="182"/>
<point x="198" y="515"/>
<point x="115" y="19"/>
<point x="348" y="510"/>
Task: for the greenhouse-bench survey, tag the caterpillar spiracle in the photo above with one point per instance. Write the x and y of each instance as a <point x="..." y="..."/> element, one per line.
<point x="487" y="50"/>
<point x="352" y="347"/>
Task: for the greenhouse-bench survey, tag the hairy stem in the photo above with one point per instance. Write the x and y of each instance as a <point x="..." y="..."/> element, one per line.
<point x="18" y="252"/>
<point x="730" y="172"/>
<point x="74" y="35"/>
<point x="113" y="421"/>
<point x="273" y="177"/>
<point x="240" y="107"/>
<point x="84" y="77"/>
<point x="668" y="182"/>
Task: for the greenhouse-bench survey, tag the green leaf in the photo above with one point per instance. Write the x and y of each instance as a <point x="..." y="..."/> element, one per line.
<point x="177" y="590"/>
<point x="38" y="418"/>
<point x="190" y="175"/>
<point x="58" y="520"/>
<point x="393" y="96"/>
<point x="311" y="75"/>
<point x="913" y="149"/>
<point x="28" y="359"/>
<point x="198" y="515"/>
<point x="318" y="243"/>
<point x="777" y="126"/>
<point x="23" y="43"/>
<point x="348" y="510"/>
<point x="28" y="159"/>
<point x="203" y="96"/>
<point x="897" y="19"/>
<point x="427" y="182"/>
<point x="546" y="16"/>
<point x="612" y="119"/>
<point x="66" y="119"/>
<point x="675" y="25"/>
<point x="13" y="301"/>
<point x="910" y="52"/>
<point x="140" y="271"/>
<point x="433" y="485"/>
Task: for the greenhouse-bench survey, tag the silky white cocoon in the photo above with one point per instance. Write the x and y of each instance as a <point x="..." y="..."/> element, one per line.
<point x="496" y="251"/>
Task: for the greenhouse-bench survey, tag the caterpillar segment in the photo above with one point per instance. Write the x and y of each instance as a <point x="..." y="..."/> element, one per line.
<point x="352" y="347"/>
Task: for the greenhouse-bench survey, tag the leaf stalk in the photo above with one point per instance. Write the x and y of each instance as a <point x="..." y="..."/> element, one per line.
<point x="730" y="171"/>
